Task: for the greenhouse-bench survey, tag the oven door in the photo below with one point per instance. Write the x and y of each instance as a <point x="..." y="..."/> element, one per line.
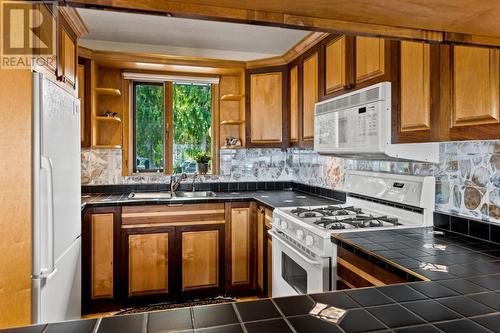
<point x="295" y="272"/>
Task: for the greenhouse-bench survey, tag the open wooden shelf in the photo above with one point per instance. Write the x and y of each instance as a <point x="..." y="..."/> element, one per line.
<point x="232" y="97"/>
<point x="108" y="146"/>
<point x="108" y="91"/>
<point x="112" y="119"/>
<point x="232" y="147"/>
<point x="232" y="122"/>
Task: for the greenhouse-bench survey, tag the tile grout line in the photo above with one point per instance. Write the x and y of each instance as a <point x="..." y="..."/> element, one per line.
<point x="283" y="316"/>
<point x="238" y="315"/>
<point x="97" y="324"/>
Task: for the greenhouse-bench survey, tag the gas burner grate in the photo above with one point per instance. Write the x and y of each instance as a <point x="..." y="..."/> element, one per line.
<point x="326" y="211"/>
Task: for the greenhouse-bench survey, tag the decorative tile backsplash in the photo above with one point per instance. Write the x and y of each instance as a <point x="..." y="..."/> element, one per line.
<point x="467" y="176"/>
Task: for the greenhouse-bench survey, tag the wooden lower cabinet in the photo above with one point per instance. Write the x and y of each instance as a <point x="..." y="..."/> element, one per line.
<point x="240" y="247"/>
<point x="136" y="255"/>
<point x="356" y="272"/>
<point x="100" y="286"/>
<point x="201" y="250"/>
<point x="264" y="251"/>
<point x="148" y="263"/>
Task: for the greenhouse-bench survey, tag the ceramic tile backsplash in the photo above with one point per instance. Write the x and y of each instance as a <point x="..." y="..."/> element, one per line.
<point x="467" y="176"/>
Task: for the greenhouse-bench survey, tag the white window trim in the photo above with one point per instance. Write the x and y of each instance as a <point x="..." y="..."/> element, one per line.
<point x="173" y="78"/>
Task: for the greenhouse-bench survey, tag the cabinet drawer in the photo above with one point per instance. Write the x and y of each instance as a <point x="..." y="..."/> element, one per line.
<point x="135" y="216"/>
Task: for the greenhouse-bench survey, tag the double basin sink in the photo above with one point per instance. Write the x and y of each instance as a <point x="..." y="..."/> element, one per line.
<point x="171" y="195"/>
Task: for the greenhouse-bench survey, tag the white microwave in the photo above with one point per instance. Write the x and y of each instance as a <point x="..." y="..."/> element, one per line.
<point x="358" y="125"/>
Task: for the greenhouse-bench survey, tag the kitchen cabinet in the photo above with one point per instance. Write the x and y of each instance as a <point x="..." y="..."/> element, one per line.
<point x="267" y="106"/>
<point x="445" y="93"/>
<point x="149" y="264"/>
<point x="240" y="246"/>
<point x="185" y="249"/>
<point x="293" y="85"/>
<point x="309" y="95"/>
<point x="335" y="64"/>
<point x="356" y="272"/>
<point x="84" y="93"/>
<point x="67" y="57"/>
<point x="100" y="243"/>
<point x="475" y="91"/>
<point x="264" y="250"/>
<point x="201" y="250"/>
<point x="269" y="254"/>
<point x="415" y="91"/>
<point x="370" y="60"/>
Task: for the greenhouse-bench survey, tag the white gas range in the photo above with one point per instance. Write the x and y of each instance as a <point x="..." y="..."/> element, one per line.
<point x="304" y="257"/>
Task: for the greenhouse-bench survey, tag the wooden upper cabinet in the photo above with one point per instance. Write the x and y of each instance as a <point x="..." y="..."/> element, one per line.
<point x="294" y="103"/>
<point x="370" y="58"/>
<point x="310" y="95"/>
<point x="415" y="86"/>
<point x="475" y="86"/>
<point x="267" y="107"/>
<point x="67" y="57"/>
<point x="335" y="65"/>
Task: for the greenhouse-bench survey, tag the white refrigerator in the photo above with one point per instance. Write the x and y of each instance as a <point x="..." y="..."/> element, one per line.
<point x="56" y="261"/>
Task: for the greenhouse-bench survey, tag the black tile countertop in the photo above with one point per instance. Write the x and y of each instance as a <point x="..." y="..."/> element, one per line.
<point x="464" y="299"/>
<point x="273" y="199"/>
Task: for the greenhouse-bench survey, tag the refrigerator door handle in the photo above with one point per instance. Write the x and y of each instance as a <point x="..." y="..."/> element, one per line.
<point x="49" y="271"/>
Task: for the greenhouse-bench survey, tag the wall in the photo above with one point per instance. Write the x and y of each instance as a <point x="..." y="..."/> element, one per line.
<point x="467" y="176"/>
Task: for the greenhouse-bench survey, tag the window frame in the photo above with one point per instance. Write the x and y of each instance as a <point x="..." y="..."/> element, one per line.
<point x="168" y="133"/>
<point x="134" y="121"/>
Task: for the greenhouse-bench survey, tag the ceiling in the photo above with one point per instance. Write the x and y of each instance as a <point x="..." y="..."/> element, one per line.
<point x="480" y="17"/>
<point x="140" y="33"/>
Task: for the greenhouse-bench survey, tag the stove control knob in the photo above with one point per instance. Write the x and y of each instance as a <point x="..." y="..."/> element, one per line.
<point x="309" y="240"/>
<point x="300" y="234"/>
<point x="284" y="225"/>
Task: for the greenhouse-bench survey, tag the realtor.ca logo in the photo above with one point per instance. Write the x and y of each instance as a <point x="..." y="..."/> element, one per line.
<point x="28" y="34"/>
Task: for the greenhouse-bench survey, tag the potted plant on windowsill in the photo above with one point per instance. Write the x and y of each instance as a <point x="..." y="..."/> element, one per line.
<point x="202" y="160"/>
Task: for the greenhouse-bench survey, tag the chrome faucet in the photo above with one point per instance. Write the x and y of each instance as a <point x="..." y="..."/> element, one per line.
<point x="175" y="182"/>
<point x="195" y="175"/>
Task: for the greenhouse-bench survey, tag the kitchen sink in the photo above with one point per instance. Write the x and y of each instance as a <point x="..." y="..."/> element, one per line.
<point x="150" y="195"/>
<point x="199" y="194"/>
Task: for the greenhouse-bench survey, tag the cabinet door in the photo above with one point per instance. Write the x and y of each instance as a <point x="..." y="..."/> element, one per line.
<point x="335" y="65"/>
<point x="412" y="94"/>
<point x="266" y="107"/>
<point x="149" y="261"/>
<point x="84" y="93"/>
<point x="370" y="58"/>
<point x="241" y="247"/>
<point x="294" y="104"/>
<point x="99" y="258"/>
<point x="310" y="95"/>
<point x="67" y="55"/>
<point x="201" y="251"/>
<point x="260" y="248"/>
<point x="269" y="249"/>
<point x="475" y="110"/>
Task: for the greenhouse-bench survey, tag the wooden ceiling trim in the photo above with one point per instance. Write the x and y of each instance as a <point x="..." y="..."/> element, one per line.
<point x="368" y="29"/>
<point x="457" y="38"/>
<point x="298" y="49"/>
<point x="74" y="20"/>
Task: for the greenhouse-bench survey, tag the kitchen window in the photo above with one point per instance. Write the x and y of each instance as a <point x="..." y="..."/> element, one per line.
<point x="172" y="125"/>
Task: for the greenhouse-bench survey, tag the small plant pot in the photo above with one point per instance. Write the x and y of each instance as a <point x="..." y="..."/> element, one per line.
<point x="202" y="168"/>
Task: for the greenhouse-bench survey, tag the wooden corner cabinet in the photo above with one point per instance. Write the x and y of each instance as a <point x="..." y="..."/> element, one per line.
<point x="267" y="107"/>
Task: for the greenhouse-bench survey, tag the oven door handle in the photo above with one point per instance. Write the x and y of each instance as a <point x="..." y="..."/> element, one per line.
<point x="274" y="235"/>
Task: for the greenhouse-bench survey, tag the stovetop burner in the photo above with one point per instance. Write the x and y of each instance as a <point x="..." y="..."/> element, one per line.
<point x="326" y="211"/>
